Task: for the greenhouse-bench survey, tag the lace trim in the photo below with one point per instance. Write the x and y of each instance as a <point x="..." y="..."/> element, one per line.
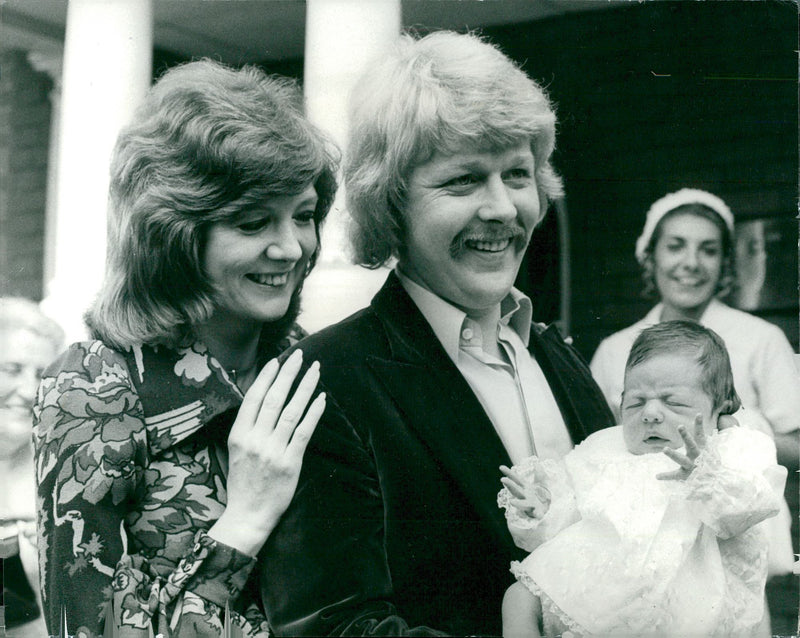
<point x="548" y="604"/>
<point x="551" y="476"/>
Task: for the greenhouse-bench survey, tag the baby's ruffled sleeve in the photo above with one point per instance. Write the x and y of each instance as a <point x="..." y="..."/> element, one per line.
<point x="528" y="532"/>
<point x="736" y="482"/>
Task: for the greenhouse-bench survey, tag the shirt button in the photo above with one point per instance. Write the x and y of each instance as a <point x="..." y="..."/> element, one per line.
<point x="467" y="334"/>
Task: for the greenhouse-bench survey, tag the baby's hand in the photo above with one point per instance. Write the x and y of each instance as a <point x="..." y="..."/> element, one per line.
<point x="694" y="445"/>
<point x="530" y="499"/>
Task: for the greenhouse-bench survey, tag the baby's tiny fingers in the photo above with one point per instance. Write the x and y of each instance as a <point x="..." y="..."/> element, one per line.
<point x="700" y="433"/>
<point x="684" y="461"/>
<point x="512" y="475"/>
<point x="526" y="507"/>
<point x="513" y="487"/>
<point x="509" y="472"/>
<point x="692" y="449"/>
<point x="675" y="475"/>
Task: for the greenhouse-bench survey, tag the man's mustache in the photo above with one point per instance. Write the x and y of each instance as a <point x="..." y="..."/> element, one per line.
<point x="497" y="231"/>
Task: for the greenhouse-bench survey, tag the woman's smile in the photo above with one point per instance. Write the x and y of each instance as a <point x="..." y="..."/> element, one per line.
<point x="276" y="280"/>
<point x="689" y="281"/>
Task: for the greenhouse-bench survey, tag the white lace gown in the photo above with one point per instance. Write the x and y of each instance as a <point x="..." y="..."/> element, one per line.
<point x="622" y="553"/>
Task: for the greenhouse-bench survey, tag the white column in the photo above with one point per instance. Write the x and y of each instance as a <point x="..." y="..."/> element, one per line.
<point x="52" y="64"/>
<point x="342" y="36"/>
<point x="107" y="69"/>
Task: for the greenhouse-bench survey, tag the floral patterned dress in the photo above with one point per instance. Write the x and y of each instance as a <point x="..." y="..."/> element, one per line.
<point x="131" y="459"/>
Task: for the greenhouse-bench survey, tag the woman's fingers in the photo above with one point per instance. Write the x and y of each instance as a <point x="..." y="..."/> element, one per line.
<point x="265" y="403"/>
<point x="302" y="433"/>
<point x="294" y="410"/>
<point x="274" y="397"/>
<point x="253" y="398"/>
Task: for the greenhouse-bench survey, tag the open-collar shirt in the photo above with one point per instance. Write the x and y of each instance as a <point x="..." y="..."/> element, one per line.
<point x="514" y="392"/>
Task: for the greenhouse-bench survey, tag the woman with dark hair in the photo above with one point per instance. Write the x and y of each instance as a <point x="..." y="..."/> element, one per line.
<point x="169" y="446"/>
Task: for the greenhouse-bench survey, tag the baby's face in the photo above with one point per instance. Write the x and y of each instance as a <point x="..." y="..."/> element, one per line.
<point x="660" y="394"/>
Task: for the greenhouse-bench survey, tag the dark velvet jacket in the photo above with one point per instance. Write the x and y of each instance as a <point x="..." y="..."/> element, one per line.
<point x="395" y="528"/>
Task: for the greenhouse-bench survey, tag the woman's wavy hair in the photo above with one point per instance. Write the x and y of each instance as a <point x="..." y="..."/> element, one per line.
<point x="440" y="93"/>
<point x="694" y="340"/>
<point x="727" y="277"/>
<point x="208" y="142"/>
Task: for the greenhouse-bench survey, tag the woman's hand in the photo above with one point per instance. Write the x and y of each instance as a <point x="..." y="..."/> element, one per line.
<point x="530" y="499"/>
<point x="265" y="447"/>
<point x="694" y="446"/>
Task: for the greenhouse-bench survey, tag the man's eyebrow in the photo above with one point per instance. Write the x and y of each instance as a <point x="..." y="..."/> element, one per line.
<point x="459" y="164"/>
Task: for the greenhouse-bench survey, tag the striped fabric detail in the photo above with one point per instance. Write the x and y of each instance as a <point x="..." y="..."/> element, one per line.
<point x="179" y="422"/>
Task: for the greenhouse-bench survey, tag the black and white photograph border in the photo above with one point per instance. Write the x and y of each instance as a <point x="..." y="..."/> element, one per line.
<point x="651" y="96"/>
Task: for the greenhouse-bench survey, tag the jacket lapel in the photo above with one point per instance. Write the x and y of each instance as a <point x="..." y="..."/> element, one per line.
<point x="438" y="404"/>
<point x="581" y="402"/>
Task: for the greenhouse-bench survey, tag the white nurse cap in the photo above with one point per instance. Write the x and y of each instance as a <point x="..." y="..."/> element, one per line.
<point x="672" y="201"/>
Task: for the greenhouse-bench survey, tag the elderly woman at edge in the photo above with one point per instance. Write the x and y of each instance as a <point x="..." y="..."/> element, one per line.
<point x="29" y="341"/>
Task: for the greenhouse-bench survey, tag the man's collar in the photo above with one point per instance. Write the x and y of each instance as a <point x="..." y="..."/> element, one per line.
<point x="517" y="313"/>
<point x="446" y="320"/>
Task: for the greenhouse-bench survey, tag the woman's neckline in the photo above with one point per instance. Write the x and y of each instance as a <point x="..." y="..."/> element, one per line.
<point x="668" y="313"/>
